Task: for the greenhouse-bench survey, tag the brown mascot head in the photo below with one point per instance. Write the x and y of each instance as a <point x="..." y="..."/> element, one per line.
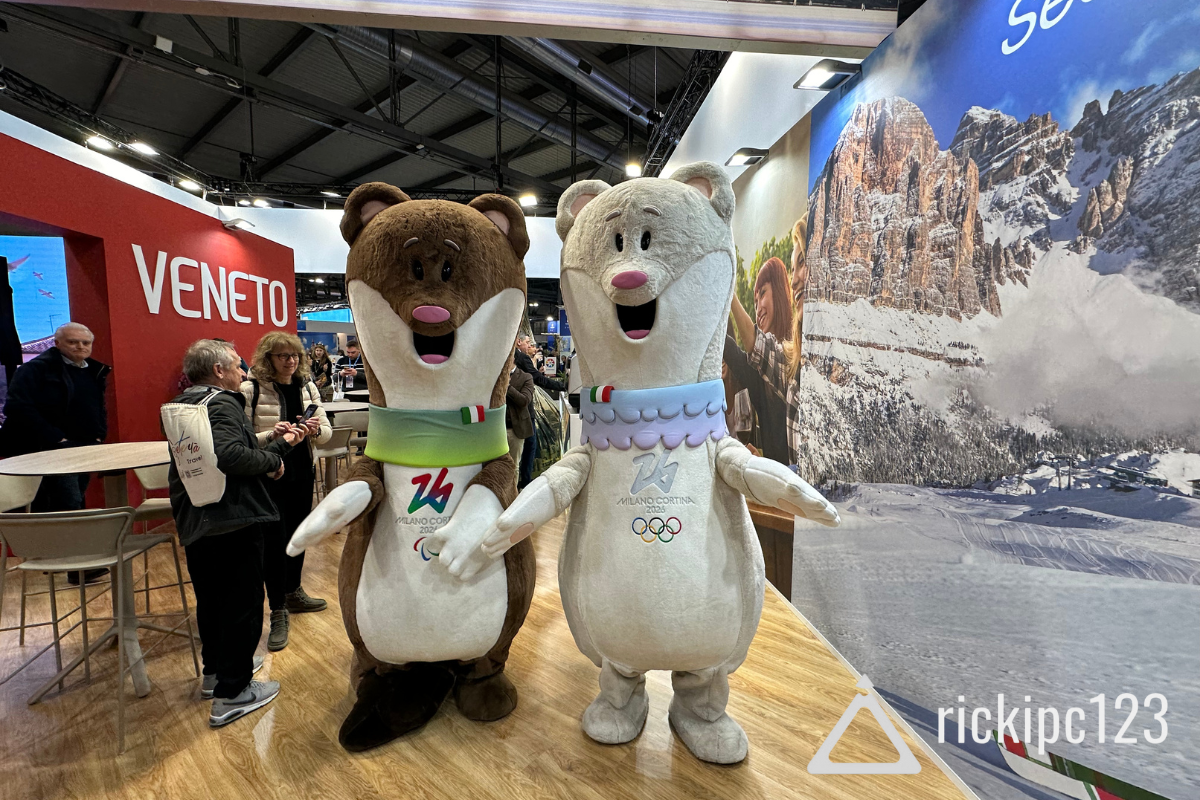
<point x="438" y="292"/>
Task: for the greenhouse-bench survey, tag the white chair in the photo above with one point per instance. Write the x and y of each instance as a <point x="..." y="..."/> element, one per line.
<point x="152" y="508"/>
<point x="335" y="448"/>
<point x="357" y="422"/>
<point x="18" y="491"/>
<point x="68" y="541"/>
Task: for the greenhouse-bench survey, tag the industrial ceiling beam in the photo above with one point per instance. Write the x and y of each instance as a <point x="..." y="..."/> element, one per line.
<point x="115" y="75"/>
<point x="277" y="61"/>
<point x="112" y="36"/>
<point x="455" y="48"/>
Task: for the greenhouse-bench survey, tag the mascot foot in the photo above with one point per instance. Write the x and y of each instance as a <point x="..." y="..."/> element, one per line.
<point x="607" y="724"/>
<point x="721" y="741"/>
<point x="391" y="704"/>
<point x="486" y="699"/>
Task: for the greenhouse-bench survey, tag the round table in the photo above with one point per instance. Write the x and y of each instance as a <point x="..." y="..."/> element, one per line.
<point x="111" y="461"/>
<point x="334" y="406"/>
<point x="362" y="395"/>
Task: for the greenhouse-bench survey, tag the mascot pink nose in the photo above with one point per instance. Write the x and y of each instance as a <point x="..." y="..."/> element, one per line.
<point x="431" y="314"/>
<point x="630" y="279"/>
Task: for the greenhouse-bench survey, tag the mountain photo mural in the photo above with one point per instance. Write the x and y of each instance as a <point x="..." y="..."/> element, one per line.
<point x="998" y="380"/>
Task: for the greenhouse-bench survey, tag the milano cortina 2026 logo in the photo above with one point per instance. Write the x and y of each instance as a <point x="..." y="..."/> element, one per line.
<point x="436" y="498"/>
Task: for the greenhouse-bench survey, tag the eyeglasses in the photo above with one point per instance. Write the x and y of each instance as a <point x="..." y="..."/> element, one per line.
<point x="287" y="356"/>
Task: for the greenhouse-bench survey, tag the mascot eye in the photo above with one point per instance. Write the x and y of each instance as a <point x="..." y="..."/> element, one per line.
<point x="646" y="240"/>
<point x="417" y="270"/>
<point x="446" y="271"/>
<point x="620" y="242"/>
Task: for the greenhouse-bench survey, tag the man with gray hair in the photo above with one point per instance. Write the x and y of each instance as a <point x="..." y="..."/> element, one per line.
<point x="224" y="540"/>
<point x="57" y="401"/>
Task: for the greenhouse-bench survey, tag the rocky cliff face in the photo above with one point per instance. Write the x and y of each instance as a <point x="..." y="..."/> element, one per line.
<point x="893" y="219"/>
<point x="1145" y="211"/>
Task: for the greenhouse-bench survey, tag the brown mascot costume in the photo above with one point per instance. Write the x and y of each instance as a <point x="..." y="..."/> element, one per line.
<point x="438" y="292"/>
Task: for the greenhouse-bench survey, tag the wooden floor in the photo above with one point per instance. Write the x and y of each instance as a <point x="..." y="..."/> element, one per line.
<point x="788" y="696"/>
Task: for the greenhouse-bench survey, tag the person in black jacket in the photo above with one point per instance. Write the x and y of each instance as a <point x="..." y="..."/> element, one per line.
<point x="523" y="358"/>
<point x="57" y="401"/>
<point x="224" y="540"/>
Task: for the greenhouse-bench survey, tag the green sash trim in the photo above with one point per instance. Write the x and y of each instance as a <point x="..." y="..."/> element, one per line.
<point x="434" y="438"/>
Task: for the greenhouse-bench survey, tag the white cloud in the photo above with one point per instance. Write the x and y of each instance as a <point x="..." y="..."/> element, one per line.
<point x="903" y="69"/>
<point x="1141" y="45"/>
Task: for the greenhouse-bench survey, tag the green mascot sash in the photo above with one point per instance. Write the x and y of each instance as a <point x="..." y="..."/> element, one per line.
<point x="456" y="438"/>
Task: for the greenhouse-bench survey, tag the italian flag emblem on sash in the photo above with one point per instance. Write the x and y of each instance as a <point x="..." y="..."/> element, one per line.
<point x="472" y="414"/>
<point x="601" y="394"/>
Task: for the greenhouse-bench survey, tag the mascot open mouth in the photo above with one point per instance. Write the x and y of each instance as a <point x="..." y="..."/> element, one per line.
<point x="636" y="321"/>
<point x="434" y="349"/>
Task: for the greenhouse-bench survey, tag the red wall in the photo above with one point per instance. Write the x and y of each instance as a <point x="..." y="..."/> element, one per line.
<point x="101" y="219"/>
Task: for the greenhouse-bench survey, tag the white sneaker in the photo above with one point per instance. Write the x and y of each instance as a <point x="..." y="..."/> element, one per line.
<point x="210" y="681"/>
<point x="252" y="698"/>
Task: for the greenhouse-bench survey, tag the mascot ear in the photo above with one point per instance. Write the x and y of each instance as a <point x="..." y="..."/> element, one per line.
<point x="507" y="216"/>
<point x="364" y="203"/>
<point x="711" y="181"/>
<point x="572" y="202"/>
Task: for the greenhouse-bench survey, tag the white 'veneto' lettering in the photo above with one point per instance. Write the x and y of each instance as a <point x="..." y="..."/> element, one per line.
<point x="218" y="291"/>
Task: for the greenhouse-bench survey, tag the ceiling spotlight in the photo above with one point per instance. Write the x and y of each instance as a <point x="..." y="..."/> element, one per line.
<point x="260" y="203"/>
<point x="549" y="319"/>
<point x="331" y="194"/>
<point x="243" y="202"/>
<point x="189" y="184"/>
<point x="746" y="156"/>
<point x="144" y="148"/>
<point x="633" y="170"/>
<point x="237" y="223"/>
<point x="533" y="305"/>
<point x="318" y="280"/>
<point x="100" y="143"/>
<point x="827" y="74"/>
<point x="528" y="200"/>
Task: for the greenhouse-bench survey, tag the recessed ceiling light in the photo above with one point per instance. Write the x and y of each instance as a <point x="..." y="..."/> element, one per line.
<point x="144" y="149"/>
<point x="527" y="200"/>
<point x="827" y="74"/>
<point x="633" y="170"/>
<point x="100" y="143"/>
<point x="746" y="156"/>
<point x="189" y="184"/>
<point x="260" y="203"/>
<point x="243" y="202"/>
<point x="331" y="194"/>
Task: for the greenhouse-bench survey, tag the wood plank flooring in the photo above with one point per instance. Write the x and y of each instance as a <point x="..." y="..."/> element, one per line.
<point x="788" y="696"/>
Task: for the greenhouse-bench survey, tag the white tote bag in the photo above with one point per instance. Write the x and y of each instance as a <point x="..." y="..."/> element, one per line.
<point x="189" y="434"/>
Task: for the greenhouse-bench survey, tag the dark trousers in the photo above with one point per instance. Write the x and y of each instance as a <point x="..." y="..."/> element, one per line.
<point x="61" y="493"/>
<point x="227" y="577"/>
<point x="528" y="454"/>
<point x="294" y="500"/>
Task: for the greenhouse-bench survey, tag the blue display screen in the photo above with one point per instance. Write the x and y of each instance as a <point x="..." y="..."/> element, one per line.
<point x="37" y="273"/>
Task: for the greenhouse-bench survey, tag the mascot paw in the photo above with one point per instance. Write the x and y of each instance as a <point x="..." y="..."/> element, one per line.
<point x="532" y="509"/>
<point x="486" y="699"/>
<point x="339" y="508"/>
<point x="721" y="741"/>
<point x="391" y="704"/>
<point x="605" y="723"/>
<point x="457" y="543"/>
<point x="774" y="484"/>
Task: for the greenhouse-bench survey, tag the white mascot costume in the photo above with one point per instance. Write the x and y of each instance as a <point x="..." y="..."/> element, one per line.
<point x="660" y="565"/>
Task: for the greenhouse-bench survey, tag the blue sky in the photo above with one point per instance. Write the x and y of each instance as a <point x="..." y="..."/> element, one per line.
<point x="948" y="57"/>
<point x="41" y="271"/>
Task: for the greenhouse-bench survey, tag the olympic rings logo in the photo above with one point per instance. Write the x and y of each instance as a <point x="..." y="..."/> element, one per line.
<point x="657" y="528"/>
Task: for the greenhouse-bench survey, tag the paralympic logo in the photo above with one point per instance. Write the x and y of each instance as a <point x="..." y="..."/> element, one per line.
<point x="657" y="528"/>
<point x="419" y="547"/>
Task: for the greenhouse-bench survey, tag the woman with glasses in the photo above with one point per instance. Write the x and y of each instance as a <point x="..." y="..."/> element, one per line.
<point x="321" y="366"/>
<point x="278" y="393"/>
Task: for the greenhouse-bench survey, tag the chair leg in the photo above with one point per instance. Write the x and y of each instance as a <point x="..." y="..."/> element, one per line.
<point x="54" y="623"/>
<point x="87" y="660"/>
<point x="21" y="638"/>
<point x="146" y="574"/>
<point x="119" y="612"/>
<point x="186" y="611"/>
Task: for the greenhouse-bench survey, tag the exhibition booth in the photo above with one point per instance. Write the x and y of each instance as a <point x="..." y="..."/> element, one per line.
<point x="818" y="422"/>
